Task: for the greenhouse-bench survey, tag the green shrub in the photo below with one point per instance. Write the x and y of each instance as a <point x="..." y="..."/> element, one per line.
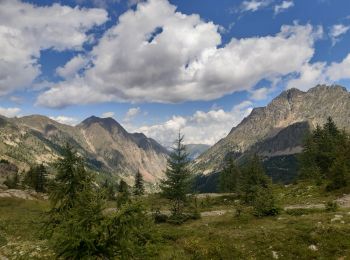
<point x="331" y="206"/>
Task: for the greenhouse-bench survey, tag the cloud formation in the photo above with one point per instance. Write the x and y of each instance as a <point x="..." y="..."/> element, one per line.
<point x="26" y="29"/>
<point x="254" y="5"/>
<point x="10" y="112"/>
<point x="201" y="127"/>
<point x="336" y="31"/>
<point x="283" y="6"/>
<point x="65" y="120"/>
<point x="156" y="54"/>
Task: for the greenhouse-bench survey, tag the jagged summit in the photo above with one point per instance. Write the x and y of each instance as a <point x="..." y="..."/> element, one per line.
<point x="287" y="109"/>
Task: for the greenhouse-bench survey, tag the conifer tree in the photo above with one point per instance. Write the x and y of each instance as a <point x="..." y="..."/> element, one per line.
<point x="257" y="190"/>
<point x="176" y="183"/>
<point x="123" y="193"/>
<point x="139" y="188"/>
<point x="229" y="177"/>
<point x="71" y="178"/>
<point x="36" y="178"/>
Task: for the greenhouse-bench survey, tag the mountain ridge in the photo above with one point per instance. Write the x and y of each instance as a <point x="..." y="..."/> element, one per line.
<point x="290" y="107"/>
<point x="106" y="145"/>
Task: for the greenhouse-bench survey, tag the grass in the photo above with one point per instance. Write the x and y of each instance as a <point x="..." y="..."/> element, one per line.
<point x="295" y="234"/>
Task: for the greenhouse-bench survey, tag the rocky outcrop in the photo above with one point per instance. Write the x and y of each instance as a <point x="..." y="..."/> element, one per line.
<point x="279" y="127"/>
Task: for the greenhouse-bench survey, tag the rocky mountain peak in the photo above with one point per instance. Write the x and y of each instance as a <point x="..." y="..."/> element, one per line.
<point x="290" y="108"/>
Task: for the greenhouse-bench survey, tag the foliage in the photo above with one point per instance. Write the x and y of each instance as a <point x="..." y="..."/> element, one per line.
<point x="12" y="182"/>
<point x="78" y="226"/>
<point x="71" y="178"/>
<point x="256" y="189"/>
<point x="332" y="206"/>
<point x="36" y="178"/>
<point x="123" y="195"/>
<point x="108" y="190"/>
<point x="176" y="183"/>
<point x="229" y="177"/>
<point x="139" y="188"/>
<point x="326" y="156"/>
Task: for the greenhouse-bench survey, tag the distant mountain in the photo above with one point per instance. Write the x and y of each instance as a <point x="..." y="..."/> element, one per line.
<point x="276" y="131"/>
<point x="106" y="145"/>
<point x="195" y="150"/>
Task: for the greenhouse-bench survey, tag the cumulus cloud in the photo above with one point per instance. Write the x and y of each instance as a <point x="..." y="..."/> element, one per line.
<point x="337" y="71"/>
<point x="10" y="112"/>
<point x="321" y="73"/>
<point x="254" y="5"/>
<point x="65" y="120"/>
<point x="26" y="29"/>
<point x="260" y="94"/>
<point x="171" y="57"/>
<point x="108" y="114"/>
<point x="131" y="113"/>
<point x="310" y="75"/>
<point x="201" y="127"/>
<point x="283" y="6"/>
<point x="72" y="67"/>
<point x="336" y="31"/>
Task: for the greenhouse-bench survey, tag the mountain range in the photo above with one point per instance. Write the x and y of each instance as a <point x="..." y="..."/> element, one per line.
<point x="107" y="147"/>
<point x="276" y="132"/>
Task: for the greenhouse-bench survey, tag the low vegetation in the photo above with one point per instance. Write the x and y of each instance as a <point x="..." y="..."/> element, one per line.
<point x="251" y="219"/>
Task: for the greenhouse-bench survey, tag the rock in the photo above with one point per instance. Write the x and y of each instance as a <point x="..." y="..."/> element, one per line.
<point x="336" y="218"/>
<point x="313" y="248"/>
<point x="274" y="255"/>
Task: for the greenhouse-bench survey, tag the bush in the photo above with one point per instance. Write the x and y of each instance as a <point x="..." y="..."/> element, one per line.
<point x="12" y="183"/>
<point x="159" y="217"/>
<point x="264" y="203"/>
<point x="332" y="206"/>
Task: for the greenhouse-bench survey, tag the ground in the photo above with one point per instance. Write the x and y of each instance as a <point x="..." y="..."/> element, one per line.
<point x="301" y="231"/>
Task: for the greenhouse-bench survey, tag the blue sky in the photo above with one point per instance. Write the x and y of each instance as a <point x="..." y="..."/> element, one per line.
<point x="157" y="65"/>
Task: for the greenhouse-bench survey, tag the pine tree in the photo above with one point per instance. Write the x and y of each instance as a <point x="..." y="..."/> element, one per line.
<point x="71" y="178"/>
<point x="139" y="188"/>
<point x="123" y="193"/>
<point x="176" y="183"/>
<point x="36" y="178"/>
<point x="257" y="190"/>
<point x="253" y="177"/>
<point x="229" y="177"/>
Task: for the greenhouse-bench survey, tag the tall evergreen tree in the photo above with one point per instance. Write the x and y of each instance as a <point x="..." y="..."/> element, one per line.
<point x="139" y="188"/>
<point x="123" y="193"/>
<point x="176" y="183"/>
<point x="325" y="156"/>
<point x="229" y="177"/>
<point x="253" y="177"/>
<point x="36" y="178"/>
<point x="256" y="188"/>
<point x="71" y="178"/>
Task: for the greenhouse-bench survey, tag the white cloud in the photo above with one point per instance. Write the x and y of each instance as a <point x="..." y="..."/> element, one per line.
<point x="10" y="112"/>
<point x="108" y="114"/>
<point x="254" y="5"/>
<point x="65" y="120"/>
<point x="26" y="29"/>
<point x="131" y="113"/>
<point x="70" y="69"/>
<point x="321" y="73"/>
<point x="260" y="94"/>
<point x="336" y="31"/>
<point x="283" y="6"/>
<point x="310" y="75"/>
<point x="201" y="127"/>
<point x="337" y="71"/>
<point x="180" y="62"/>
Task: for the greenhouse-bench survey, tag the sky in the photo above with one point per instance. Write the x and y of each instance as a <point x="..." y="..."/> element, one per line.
<point x="158" y="66"/>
